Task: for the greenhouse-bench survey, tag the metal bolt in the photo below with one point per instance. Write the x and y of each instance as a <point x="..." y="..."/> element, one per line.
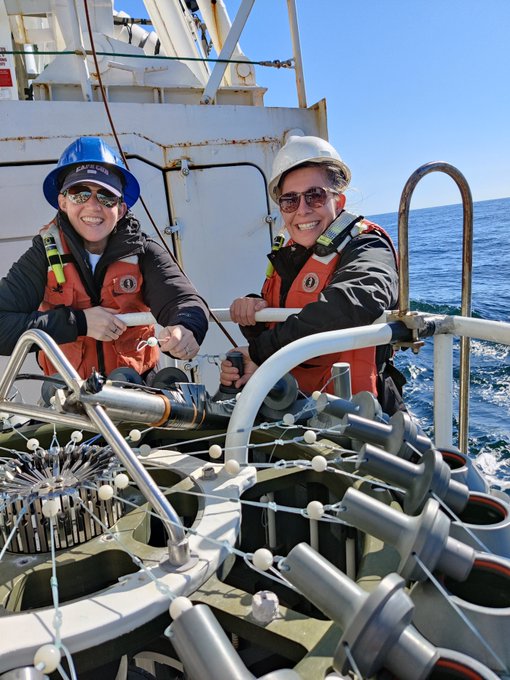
<point x="208" y="472"/>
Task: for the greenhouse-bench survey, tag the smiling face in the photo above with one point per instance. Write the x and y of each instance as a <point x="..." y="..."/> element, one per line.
<point x="306" y="224"/>
<point x="93" y="222"/>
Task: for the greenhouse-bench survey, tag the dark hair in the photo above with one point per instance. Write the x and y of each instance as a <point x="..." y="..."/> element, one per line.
<point x="335" y="176"/>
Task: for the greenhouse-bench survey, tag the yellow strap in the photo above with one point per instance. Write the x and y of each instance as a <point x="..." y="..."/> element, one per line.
<point x="52" y="252"/>
<point x="278" y="242"/>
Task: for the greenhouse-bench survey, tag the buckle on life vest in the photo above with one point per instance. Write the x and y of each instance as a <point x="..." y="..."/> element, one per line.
<point x="338" y="231"/>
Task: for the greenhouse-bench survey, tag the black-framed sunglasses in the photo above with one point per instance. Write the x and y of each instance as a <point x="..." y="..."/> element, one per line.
<point x="80" y="194"/>
<point x="315" y="197"/>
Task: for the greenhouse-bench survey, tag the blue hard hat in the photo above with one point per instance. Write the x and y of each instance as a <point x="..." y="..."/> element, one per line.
<point x="90" y="150"/>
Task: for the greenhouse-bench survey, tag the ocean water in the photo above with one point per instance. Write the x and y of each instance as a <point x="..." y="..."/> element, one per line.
<point x="435" y="266"/>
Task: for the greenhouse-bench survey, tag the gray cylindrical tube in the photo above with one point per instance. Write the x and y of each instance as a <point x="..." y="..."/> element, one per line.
<point x="203" y="647"/>
<point x="367" y="430"/>
<point x="23" y="674"/>
<point x="133" y="405"/>
<point x="327" y="587"/>
<point x="336" y="406"/>
<point x="341" y="374"/>
<point x="375" y="518"/>
<point x="456" y="559"/>
<point x="413" y="657"/>
<point x="387" y="466"/>
<point x="457" y="495"/>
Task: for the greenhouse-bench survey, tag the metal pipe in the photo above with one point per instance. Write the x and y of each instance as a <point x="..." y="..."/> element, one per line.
<point x="130" y="405"/>
<point x="493" y="331"/>
<point x="226" y="53"/>
<point x="443" y="390"/>
<point x="271" y="521"/>
<point x="178" y="547"/>
<point x="204" y="648"/>
<point x="50" y="347"/>
<point x="268" y="315"/>
<point x="81" y="55"/>
<point x="314" y="534"/>
<point x="467" y="259"/>
<point x="46" y="415"/>
<point x="341" y="374"/>
<point x="296" y="49"/>
<point x="329" y="589"/>
<point x="216" y="18"/>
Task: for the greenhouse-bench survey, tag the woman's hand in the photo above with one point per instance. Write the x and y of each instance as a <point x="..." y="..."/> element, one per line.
<point x="229" y="374"/>
<point x="242" y="310"/>
<point x="102" y="324"/>
<point x="179" y="342"/>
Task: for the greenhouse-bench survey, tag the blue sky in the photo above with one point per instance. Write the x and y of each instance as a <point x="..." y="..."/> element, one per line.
<point x="406" y="82"/>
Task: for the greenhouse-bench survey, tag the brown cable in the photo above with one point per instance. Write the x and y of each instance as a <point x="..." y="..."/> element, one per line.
<point x="123" y="156"/>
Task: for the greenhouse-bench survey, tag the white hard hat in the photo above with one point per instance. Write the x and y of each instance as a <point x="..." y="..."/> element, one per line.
<point x="304" y="149"/>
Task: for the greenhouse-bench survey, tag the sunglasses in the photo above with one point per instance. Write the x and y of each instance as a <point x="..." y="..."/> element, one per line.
<point x="80" y="194"/>
<point x="315" y="197"/>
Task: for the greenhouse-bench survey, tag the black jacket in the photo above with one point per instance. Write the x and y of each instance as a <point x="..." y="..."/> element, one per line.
<point x="363" y="286"/>
<point x="170" y="296"/>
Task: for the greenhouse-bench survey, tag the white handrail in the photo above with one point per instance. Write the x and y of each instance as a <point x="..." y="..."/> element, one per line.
<point x="268" y="315"/>
<point x="463" y="326"/>
<point x="255" y="391"/>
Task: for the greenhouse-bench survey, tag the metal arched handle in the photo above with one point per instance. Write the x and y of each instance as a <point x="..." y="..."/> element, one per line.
<point x="467" y="268"/>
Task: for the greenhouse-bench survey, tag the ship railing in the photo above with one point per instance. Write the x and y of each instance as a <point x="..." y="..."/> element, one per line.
<point x="444" y="328"/>
<point x="467" y="267"/>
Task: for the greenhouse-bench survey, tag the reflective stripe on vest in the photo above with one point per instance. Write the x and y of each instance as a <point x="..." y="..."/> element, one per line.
<point x="306" y="288"/>
<point x="121" y="290"/>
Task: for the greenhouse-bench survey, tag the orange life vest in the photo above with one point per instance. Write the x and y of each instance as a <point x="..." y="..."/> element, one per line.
<point x="306" y="287"/>
<point x="121" y="290"/>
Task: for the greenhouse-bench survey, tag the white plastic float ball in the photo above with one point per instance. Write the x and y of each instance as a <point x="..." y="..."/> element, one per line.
<point x="152" y="342"/>
<point x="288" y="419"/>
<point x="315" y="509"/>
<point x="179" y="606"/>
<point x="262" y="559"/>
<point x="76" y="436"/>
<point x="105" y="492"/>
<point x="145" y="449"/>
<point x="135" y="435"/>
<point x="32" y="444"/>
<point x="51" y="508"/>
<point x="121" y="481"/>
<point x="316" y="395"/>
<point x="215" y="451"/>
<point x="310" y="437"/>
<point x="53" y="401"/>
<point x="47" y="658"/>
<point x="319" y="463"/>
<point x="232" y="467"/>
